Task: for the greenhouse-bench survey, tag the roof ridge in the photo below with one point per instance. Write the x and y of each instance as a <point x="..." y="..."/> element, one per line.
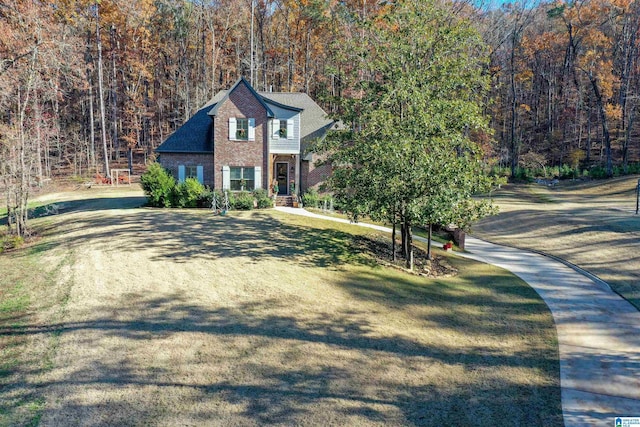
<point x="259" y="97"/>
<point x="285" y="93"/>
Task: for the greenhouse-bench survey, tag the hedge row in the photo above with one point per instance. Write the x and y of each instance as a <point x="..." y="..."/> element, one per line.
<point x="163" y="191"/>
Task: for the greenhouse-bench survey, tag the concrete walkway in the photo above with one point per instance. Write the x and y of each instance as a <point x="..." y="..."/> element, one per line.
<point x="598" y="331"/>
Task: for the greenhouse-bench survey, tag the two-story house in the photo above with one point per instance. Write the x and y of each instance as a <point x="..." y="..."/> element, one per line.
<point x="245" y="140"/>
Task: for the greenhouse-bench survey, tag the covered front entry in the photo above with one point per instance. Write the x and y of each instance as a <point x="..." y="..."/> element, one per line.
<point x="282" y="176"/>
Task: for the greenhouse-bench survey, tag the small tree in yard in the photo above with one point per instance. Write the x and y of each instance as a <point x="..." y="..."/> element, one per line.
<point x="408" y="158"/>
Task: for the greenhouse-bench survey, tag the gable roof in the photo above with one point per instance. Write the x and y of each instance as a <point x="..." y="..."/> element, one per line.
<point x="241" y="80"/>
<point x="195" y="135"/>
<point x="313" y="119"/>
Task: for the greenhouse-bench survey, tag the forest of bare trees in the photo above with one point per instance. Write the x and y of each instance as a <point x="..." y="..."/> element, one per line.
<point x="85" y="83"/>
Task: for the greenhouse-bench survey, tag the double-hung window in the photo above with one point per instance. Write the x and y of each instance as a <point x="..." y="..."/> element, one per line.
<point x="191" y="172"/>
<point x="282" y="131"/>
<point x="242" y="129"/>
<point x="242" y="179"/>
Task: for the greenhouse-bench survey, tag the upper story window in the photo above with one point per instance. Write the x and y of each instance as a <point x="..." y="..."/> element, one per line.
<point x="241" y="129"/>
<point x="282" y="131"/>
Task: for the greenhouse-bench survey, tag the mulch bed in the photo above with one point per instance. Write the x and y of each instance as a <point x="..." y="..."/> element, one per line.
<point x="379" y="248"/>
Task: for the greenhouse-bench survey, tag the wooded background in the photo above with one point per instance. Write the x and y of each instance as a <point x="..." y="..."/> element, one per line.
<point x="83" y="83"/>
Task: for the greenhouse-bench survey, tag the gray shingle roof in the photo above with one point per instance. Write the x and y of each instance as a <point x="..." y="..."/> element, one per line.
<point x="313" y="120"/>
<point x="194" y="136"/>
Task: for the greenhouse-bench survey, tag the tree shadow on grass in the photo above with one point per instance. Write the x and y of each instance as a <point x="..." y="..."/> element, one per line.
<point x="82" y="205"/>
<point x="318" y="388"/>
<point x="340" y="374"/>
<point x="180" y="236"/>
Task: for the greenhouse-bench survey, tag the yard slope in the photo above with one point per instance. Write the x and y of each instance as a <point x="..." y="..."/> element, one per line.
<point x="590" y="224"/>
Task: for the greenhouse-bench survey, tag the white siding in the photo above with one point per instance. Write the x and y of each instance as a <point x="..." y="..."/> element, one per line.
<point x="290" y="144"/>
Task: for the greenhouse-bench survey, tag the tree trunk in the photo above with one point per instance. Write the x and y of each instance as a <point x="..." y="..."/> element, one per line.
<point x="103" y="119"/>
<point x="430" y="229"/>
<point x="627" y="139"/>
<point x="38" y="123"/>
<point x="409" y="247"/>
<point x="92" y="128"/>
<point x="588" y="156"/>
<point x="403" y="239"/>
<point x="393" y="242"/>
<point x="512" y="86"/>
<point x="605" y="127"/>
<point x="115" y="140"/>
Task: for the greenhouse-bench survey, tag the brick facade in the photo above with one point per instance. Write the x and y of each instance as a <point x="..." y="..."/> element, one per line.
<point x="171" y="161"/>
<point x="240" y="104"/>
<point x="204" y="139"/>
<point x="313" y="176"/>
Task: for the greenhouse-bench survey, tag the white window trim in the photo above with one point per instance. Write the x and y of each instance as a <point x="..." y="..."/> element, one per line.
<point x="257" y="179"/>
<point x="233" y="129"/>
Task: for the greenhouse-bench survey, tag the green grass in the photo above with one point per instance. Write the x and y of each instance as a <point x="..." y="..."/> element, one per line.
<point x="26" y="287"/>
<point x="15" y="301"/>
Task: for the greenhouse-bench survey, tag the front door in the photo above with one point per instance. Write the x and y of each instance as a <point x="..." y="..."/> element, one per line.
<point x="282" y="175"/>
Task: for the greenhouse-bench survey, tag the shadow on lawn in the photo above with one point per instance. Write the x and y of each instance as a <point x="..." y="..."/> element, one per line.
<point x="183" y="235"/>
<point x="82" y="205"/>
<point x="269" y="391"/>
<point x="339" y="375"/>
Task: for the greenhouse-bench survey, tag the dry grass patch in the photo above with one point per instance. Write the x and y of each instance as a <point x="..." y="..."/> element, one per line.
<point x="177" y="317"/>
<point x="592" y="225"/>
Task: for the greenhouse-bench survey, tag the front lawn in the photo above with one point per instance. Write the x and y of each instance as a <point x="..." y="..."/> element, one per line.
<point x="181" y="317"/>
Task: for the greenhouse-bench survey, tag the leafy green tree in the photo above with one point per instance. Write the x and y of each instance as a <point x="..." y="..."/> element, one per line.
<point x="407" y="156"/>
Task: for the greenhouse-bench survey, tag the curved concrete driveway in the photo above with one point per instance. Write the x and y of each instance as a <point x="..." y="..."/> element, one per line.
<point x="598" y="335"/>
<point x="598" y="332"/>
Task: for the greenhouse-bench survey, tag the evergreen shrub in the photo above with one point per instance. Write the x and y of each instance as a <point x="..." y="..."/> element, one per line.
<point x="188" y="193"/>
<point x="310" y="198"/>
<point x="242" y="201"/>
<point x="262" y="198"/>
<point x="158" y="186"/>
